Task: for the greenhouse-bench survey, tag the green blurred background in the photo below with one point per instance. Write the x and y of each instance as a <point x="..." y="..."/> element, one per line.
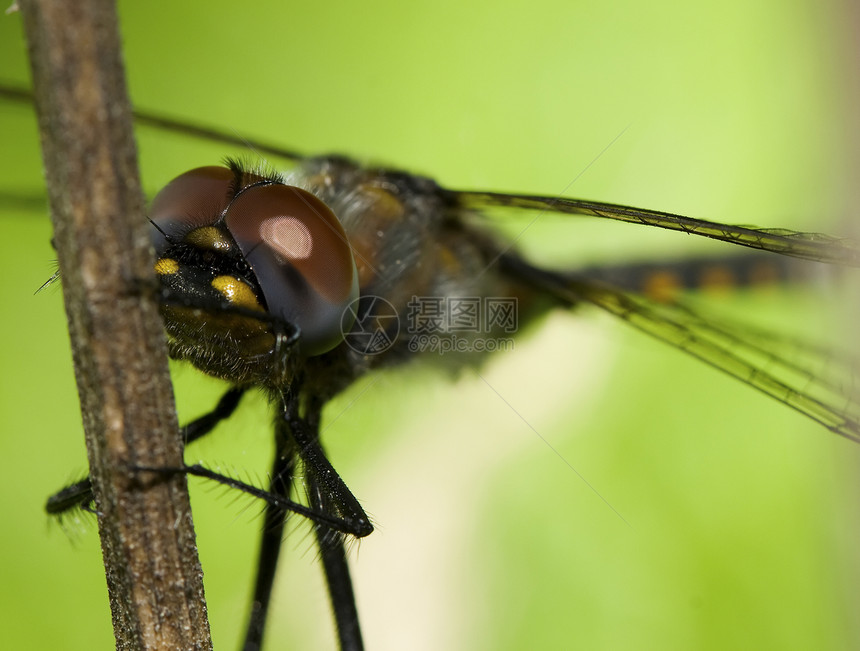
<point x="742" y="515"/>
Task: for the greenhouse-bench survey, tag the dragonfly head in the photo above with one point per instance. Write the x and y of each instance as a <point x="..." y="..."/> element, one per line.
<point x="231" y="243"/>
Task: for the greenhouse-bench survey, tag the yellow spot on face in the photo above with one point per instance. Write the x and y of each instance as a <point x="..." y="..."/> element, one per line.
<point x="209" y="237"/>
<point x="166" y="267"/>
<point x="239" y="293"/>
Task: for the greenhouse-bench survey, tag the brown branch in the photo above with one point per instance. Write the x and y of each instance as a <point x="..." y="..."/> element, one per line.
<point x="153" y="574"/>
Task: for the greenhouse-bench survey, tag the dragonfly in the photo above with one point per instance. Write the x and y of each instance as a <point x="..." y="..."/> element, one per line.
<point x="447" y="231"/>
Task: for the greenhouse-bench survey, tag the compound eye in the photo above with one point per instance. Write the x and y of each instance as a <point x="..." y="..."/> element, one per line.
<point x="301" y="258"/>
<point x="195" y="198"/>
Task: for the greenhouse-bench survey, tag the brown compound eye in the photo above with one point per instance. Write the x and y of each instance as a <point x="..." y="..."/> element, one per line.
<point x="195" y="198"/>
<point x="301" y="258"/>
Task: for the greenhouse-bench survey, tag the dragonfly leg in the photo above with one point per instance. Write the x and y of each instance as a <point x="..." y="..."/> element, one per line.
<point x="80" y="494"/>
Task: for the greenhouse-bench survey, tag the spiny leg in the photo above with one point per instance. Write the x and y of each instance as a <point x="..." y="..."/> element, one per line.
<point x="80" y="494"/>
<point x="328" y="494"/>
<point x="328" y="497"/>
<point x="333" y="555"/>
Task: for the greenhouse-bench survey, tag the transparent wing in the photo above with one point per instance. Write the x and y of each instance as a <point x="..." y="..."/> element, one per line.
<point x="827" y="371"/>
<point x="165" y="123"/>
<point x="813" y="380"/>
<point x="808" y="246"/>
<point x="828" y="398"/>
<point x="185" y="128"/>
